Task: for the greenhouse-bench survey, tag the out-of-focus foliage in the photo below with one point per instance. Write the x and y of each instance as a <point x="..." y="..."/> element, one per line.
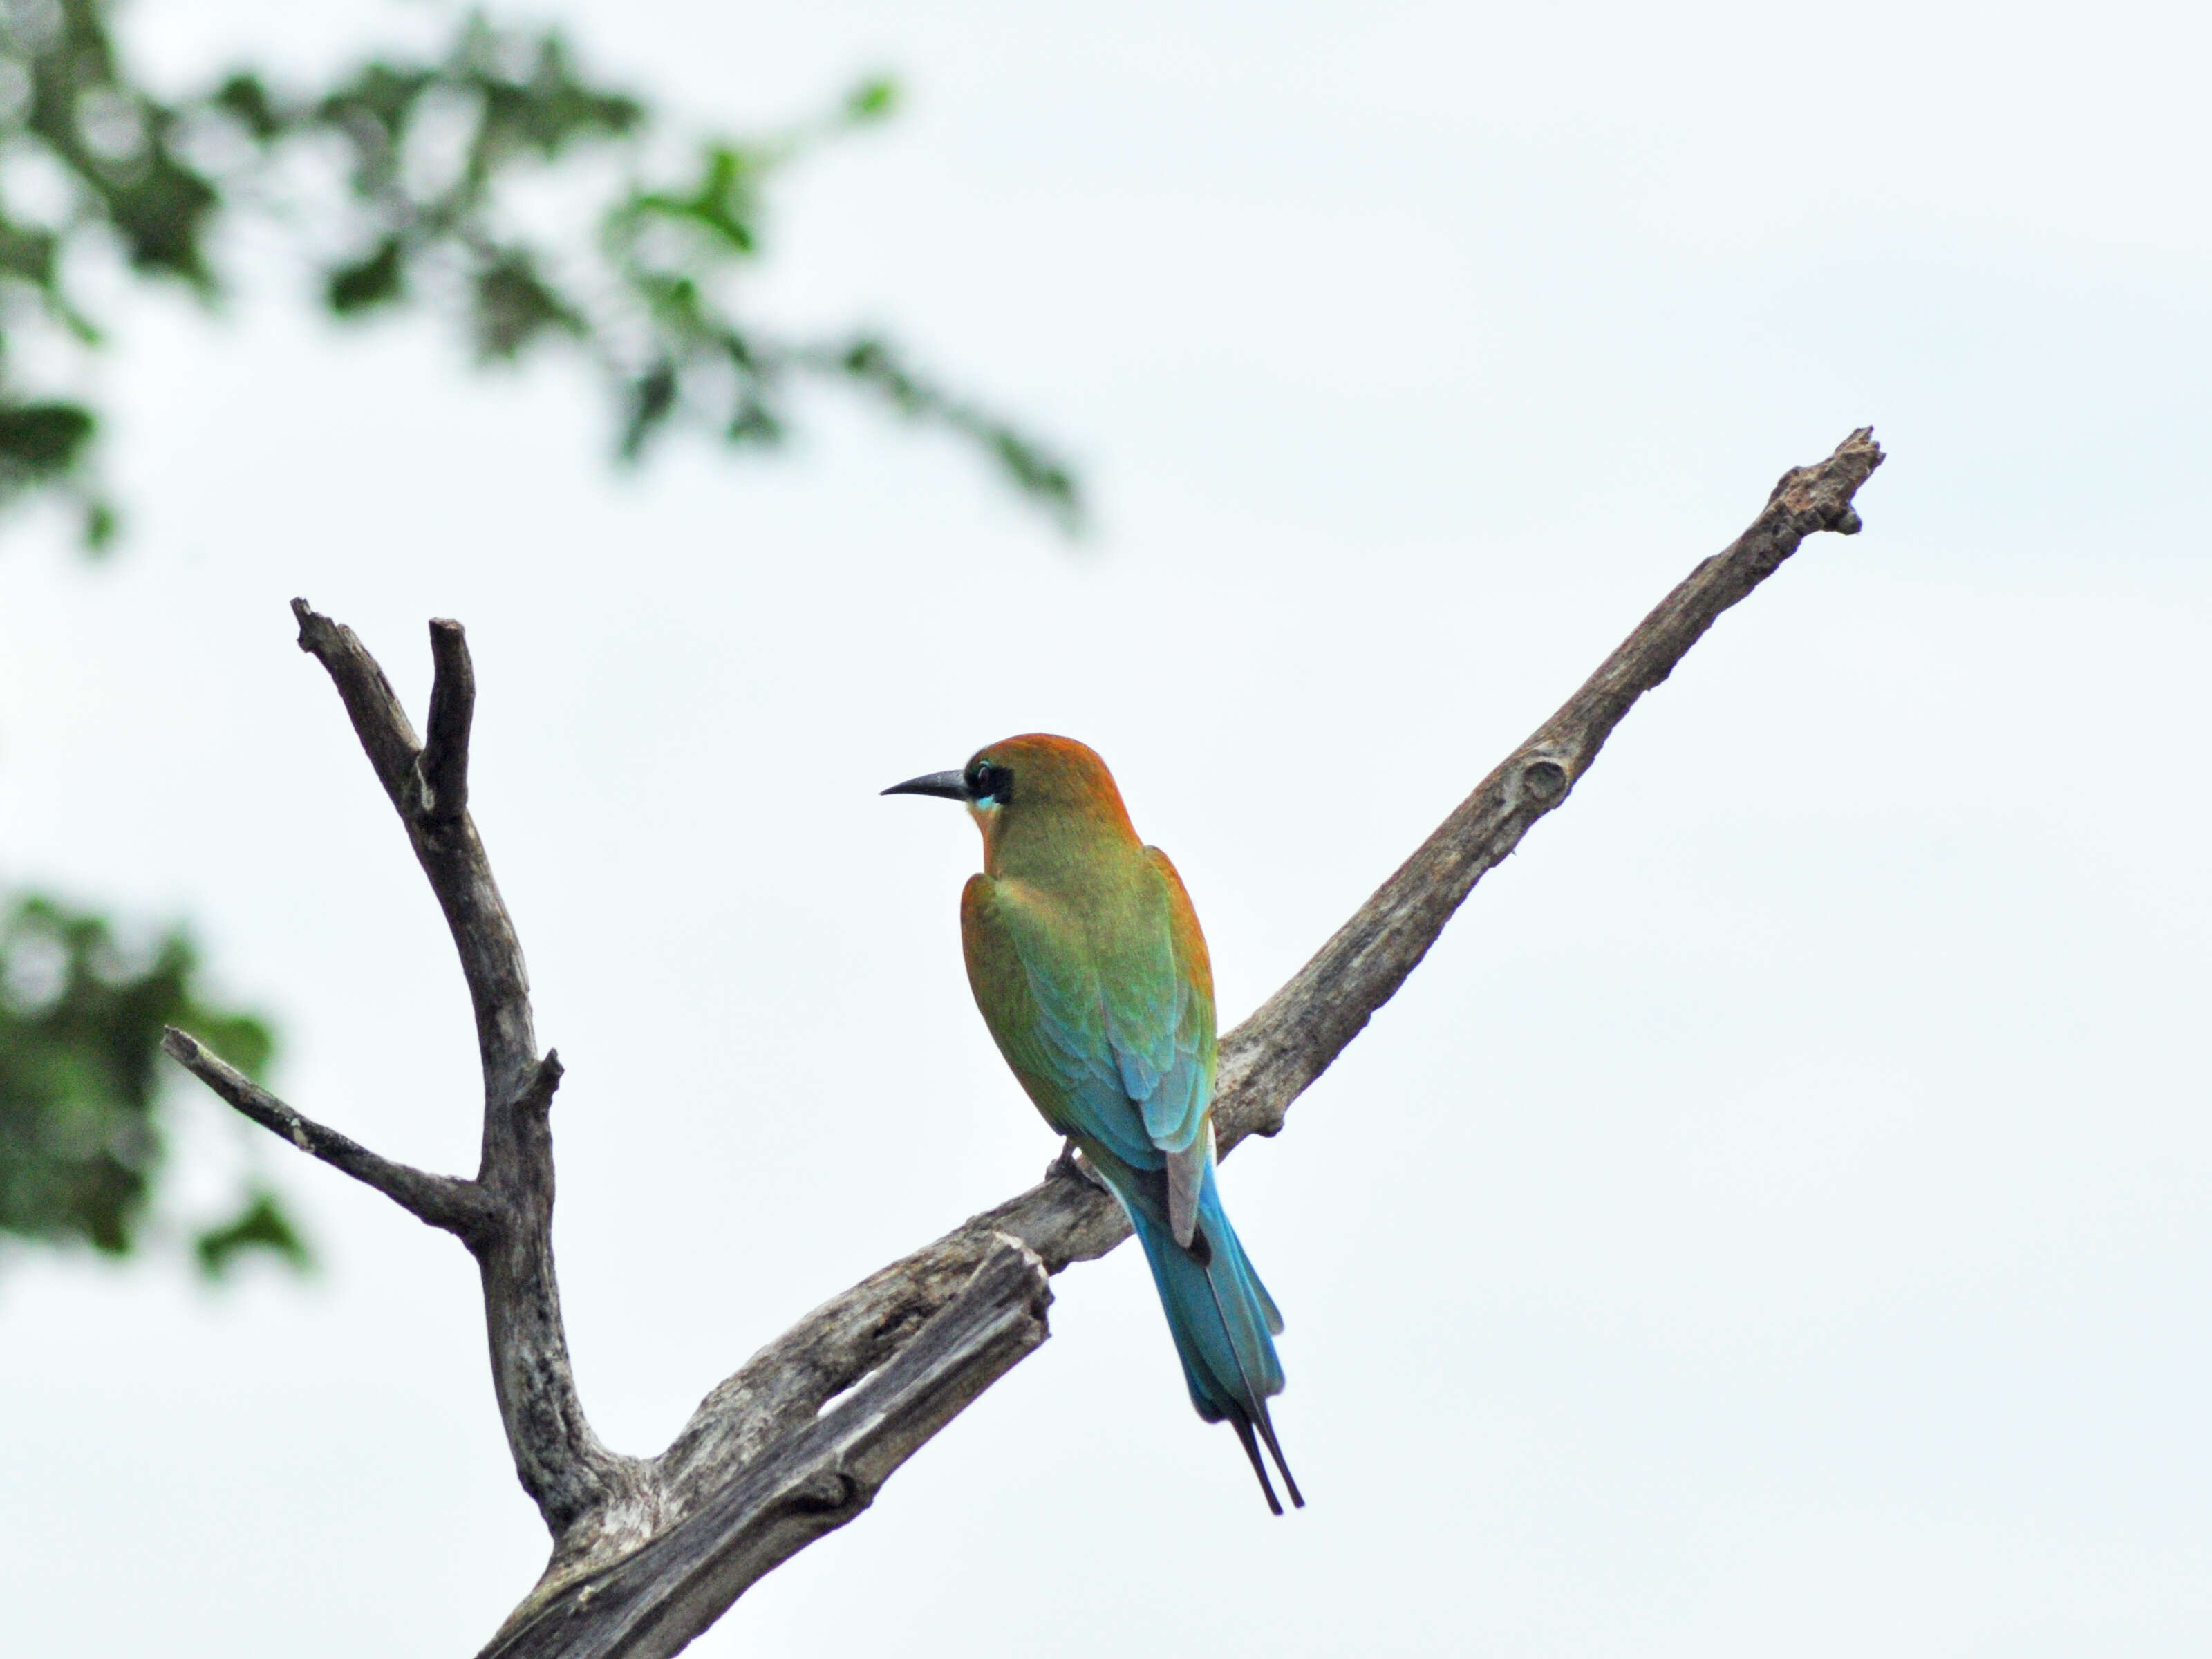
<point x="81" y="1021"/>
<point x="403" y="178"/>
<point x="415" y="181"/>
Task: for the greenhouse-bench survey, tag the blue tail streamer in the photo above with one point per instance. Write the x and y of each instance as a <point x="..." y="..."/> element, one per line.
<point x="1223" y="1320"/>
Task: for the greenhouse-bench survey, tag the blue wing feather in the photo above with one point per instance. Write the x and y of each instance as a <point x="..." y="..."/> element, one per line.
<point x="1126" y="1064"/>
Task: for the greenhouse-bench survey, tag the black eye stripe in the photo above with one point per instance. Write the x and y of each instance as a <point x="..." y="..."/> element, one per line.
<point x="988" y="782"/>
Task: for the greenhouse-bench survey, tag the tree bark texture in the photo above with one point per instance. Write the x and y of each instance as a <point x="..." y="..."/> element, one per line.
<point x="648" y="1553"/>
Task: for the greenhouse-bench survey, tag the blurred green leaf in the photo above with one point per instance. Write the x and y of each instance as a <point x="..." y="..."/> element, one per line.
<point x="723" y="203"/>
<point x="514" y="306"/>
<point x="754" y="423"/>
<point x="260" y="1225"/>
<point x="378" y="280"/>
<point x="872" y="101"/>
<point x="41" y="441"/>
<point x="161" y="210"/>
<point x="27" y="255"/>
<point x="246" y="100"/>
<point x="653" y="399"/>
<point x="81" y="1021"/>
<point x="99" y="525"/>
<point x="1034" y="470"/>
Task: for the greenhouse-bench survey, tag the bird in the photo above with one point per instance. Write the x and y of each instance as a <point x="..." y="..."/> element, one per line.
<point x="1089" y="967"/>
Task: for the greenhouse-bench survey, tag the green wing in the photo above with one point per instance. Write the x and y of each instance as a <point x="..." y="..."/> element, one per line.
<point x="1112" y="1038"/>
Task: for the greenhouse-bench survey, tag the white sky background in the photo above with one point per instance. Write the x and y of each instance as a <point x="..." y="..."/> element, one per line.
<point x="1774" y="1218"/>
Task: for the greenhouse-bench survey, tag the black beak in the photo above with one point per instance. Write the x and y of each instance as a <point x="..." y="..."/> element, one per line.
<point x="950" y="785"/>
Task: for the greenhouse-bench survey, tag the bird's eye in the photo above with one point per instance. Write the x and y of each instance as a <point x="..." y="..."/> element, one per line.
<point x="978" y="781"/>
<point x="988" y="782"/>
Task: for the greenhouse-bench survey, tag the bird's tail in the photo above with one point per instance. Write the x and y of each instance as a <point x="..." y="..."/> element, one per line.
<point x="1223" y="1319"/>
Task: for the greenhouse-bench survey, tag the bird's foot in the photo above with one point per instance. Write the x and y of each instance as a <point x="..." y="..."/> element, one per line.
<point x="1071" y="1161"/>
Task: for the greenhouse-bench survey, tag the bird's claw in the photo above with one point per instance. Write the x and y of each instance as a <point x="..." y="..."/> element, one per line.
<point x="1070" y="1163"/>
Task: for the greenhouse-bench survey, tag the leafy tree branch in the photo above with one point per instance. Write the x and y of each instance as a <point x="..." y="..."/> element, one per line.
<point x="401" y="181"/>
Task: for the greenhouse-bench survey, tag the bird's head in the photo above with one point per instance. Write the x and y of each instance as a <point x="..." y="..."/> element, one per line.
<point x="1031" y="788"/>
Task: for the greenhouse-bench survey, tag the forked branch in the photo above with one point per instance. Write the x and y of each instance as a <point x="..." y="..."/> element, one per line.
<point x="646" y="1554"/>
<point x="575" y="1480"/>
<point x="458" y="1207"/>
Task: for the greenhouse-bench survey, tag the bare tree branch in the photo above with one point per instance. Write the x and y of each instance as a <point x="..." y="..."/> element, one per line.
<point x="458" y="1207"/>
<point x="446" y="847"/>
<point x="386" y="735"/>
<point x="1267" y="1061"/>
<point x="442" y="769"/>
<point x="1270" y="1059"/>
<point x="809" y="1483"/>
<point x="559" y="1459"/>
<point x="646" y="1554"/>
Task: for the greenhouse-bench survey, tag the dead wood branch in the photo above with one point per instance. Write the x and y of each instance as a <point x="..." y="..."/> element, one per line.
<point x="457" y="1206"/>
<point x="807" y="1484"/>
<point x="575" y="1481"/>
<point x="646" y="1554"/>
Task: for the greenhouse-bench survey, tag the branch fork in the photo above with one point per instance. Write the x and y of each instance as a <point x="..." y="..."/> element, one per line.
<point x="647" y="1552"/>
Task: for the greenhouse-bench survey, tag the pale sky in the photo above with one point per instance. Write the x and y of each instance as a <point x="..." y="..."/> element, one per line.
<point x="1777" y="1217"/>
